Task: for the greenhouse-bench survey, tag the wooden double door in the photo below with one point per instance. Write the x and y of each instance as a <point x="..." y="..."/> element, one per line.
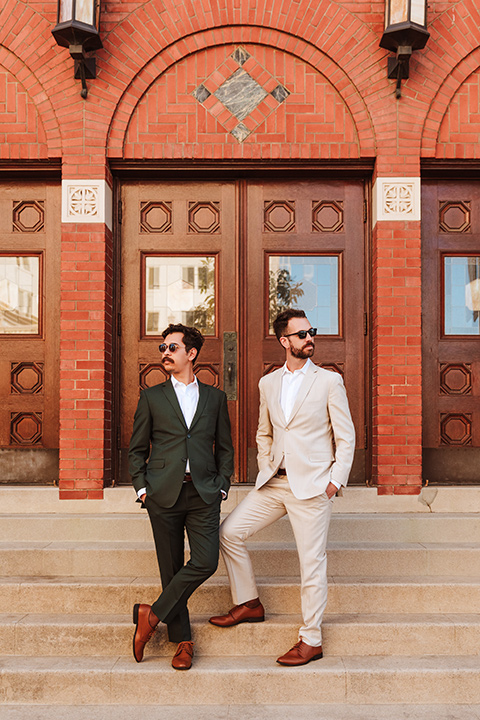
<point x="227" y="257"/>
<point x="451" y="331"/>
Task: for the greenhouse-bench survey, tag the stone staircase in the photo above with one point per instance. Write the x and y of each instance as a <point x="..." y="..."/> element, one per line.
<point x="402" y="627"/>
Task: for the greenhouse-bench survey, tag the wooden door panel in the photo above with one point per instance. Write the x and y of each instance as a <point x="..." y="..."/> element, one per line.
<point x="29" y="332"/>
<point x="450" y="355"/>
<point x="310" y="220"/>
<point x="168" y="224"/>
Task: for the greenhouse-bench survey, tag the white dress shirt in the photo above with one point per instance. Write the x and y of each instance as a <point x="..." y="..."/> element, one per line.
<point x="291" y="382"/>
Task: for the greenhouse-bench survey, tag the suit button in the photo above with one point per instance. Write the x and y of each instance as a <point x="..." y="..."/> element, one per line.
<point x="189" y="436"/>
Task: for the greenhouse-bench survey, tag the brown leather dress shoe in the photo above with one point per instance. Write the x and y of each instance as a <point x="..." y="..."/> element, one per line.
<point x="182" y="660"/>
<point x="240" y="614"/>
<point x="146" y="622"/>
<point x="301" y="654"/>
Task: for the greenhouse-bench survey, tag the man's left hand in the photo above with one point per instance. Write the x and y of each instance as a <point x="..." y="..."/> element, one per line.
<point x="331" y="490"/>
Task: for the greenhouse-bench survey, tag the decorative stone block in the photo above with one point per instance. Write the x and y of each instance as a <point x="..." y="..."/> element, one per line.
<point x="396" y="199"/>
<point x="87" y="201"/>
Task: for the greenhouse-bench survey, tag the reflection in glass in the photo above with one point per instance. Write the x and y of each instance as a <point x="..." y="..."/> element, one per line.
<point x="309" y="283"/>
<point x="179" y="290"/>
<point x="19" y="293"/>
<point x="462" y="295"/>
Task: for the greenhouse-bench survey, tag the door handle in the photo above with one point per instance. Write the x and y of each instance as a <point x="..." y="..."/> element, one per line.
<point x="230" y="365"/>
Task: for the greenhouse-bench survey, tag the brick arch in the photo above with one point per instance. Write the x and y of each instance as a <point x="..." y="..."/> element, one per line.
<point x="22" y="134"/>
<point x="30" y="64"/>
<point x="339" y="84"/>
<point x="452" y="129"/>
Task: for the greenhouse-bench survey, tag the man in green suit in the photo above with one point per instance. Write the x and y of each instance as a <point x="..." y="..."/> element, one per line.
<point x="181" y="460"/>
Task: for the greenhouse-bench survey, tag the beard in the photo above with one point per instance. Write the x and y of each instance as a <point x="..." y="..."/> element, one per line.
<point x="303" y="353"/>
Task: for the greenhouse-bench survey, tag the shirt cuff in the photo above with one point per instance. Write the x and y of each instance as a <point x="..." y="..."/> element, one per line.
<point x="337" y="484"/>
<point x="142" y="491"/>
<point x="224" y="494"/>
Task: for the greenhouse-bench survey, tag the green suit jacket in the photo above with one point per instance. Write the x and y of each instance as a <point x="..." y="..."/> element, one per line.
<point x="161" y="443"/>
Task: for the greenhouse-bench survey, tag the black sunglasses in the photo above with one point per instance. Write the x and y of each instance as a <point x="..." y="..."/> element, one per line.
<point x="302" y="334"/>
<point x="173" y="347"/>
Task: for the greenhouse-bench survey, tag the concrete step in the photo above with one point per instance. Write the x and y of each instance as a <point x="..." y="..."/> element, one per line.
<point x="368" y="559"/>
<point x="400" y="527"/>
<point x="242" y="712"/>
<point x="238" y="681"/>
<point x="343" y="635"/>
<point x="355" y="500"/>
<point x="85" y="595"/>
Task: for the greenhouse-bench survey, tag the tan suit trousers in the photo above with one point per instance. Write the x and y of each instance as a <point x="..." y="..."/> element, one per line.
<point x="310" y="521"/>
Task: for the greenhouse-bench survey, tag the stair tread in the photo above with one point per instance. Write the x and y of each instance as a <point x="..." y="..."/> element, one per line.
<point x="271" y="619"/>
<point x="249" y="665"/>
<point x="243" y="712"/>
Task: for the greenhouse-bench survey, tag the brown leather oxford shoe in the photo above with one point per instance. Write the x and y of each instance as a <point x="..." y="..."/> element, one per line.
<point x="301" y="654"/>
<point x="146" y="622"/>
<point x="240" y="614"/>
<point x="182" y="660"/>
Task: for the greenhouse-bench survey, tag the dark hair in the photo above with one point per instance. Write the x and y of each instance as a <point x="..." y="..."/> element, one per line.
<point x="192" y="337"/>
<point x="281" y="321"/>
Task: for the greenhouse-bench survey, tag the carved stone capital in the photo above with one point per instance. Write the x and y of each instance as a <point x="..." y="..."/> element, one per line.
<point x="86" y="201"/>
<point x="396" y="198"/>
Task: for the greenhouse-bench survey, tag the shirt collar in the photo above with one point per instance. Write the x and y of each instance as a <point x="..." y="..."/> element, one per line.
<point x="286" y="371"/>
<point x="177" y="384"/>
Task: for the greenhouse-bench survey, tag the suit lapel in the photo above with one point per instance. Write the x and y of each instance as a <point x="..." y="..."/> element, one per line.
<point x="172" y="398"/>
<point x="277" y="394"/>
<point x="202" y="400"/>
<point x="304" y="389"/>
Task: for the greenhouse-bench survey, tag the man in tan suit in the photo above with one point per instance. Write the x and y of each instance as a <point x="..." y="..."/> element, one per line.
<point x="306" y="442"/>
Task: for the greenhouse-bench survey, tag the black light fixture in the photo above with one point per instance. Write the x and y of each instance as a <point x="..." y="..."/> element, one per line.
<point x="405" y="31"/>
<point x="77" y="29"/>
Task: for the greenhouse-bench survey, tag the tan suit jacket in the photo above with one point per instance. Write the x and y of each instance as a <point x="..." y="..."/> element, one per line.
<point x="320" y="416"/>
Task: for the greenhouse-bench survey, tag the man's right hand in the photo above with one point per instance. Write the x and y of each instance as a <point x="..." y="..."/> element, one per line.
<point x="142" y="497"/>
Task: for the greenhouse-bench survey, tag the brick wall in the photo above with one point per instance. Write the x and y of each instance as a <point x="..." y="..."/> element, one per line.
<point x="141" y="106"/>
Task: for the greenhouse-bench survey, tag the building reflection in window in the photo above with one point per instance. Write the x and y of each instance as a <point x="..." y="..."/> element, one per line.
<point x="19" y="294"/>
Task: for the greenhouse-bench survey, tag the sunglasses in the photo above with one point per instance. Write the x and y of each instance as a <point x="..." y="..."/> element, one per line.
<point x="302" y="334"/>
<point x="173" y="347"/>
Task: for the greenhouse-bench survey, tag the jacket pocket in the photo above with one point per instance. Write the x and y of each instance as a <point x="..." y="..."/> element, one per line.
<point x="156" y="464"/>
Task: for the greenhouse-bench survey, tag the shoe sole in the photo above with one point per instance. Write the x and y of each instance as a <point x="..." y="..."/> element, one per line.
<point x="135" y="622"/>
<point x="239" y="622"/>
<point x="315" y="657"/>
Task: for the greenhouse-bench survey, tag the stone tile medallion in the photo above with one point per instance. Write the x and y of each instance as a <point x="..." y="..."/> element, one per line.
<point x="240" y="94"/>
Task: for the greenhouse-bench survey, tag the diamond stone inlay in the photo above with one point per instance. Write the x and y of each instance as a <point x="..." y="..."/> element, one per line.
<point x="280" y="93"/>
<point x="240" y="94"/>
<point x="240" y="132"/>
<point x="201" y="93"/>
<point x="240" y="55"/>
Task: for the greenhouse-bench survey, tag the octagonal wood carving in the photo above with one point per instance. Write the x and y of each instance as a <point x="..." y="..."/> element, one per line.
<point x="151" y="374"/>
<point x="455" y="216"/>
<point x="455" y="378"/>
<point x="204" y="217"/>
<point x="338" y="367"/>
<point x="279" y="217"/>
<point x="327" y="216"/>
<point x="155" y="217"/>
<point x="28" y="216"/>
<point x="208" y="373"/>
<point x="26" y="378"/>
<point x="456" y="429"/>
<point x="26" y="428"/>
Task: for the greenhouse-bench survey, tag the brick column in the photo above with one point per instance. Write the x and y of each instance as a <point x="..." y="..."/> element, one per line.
<point x="85" y="339"/>
<point x="397" y="341"/>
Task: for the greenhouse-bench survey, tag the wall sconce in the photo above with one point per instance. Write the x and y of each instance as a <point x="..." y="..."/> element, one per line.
<point x="77" y="29"/>
<point x="405" y="31"/>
